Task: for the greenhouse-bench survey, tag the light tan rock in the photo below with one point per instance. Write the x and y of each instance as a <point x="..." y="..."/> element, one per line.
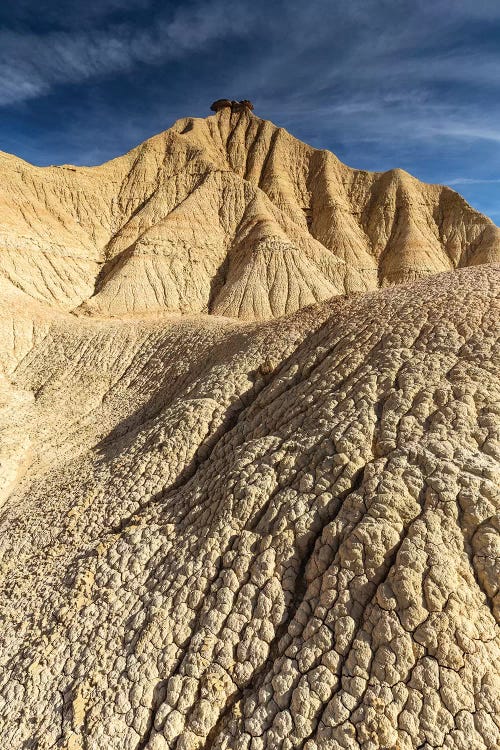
<point x="227" y="533"/>
<point x="227" y="215"/>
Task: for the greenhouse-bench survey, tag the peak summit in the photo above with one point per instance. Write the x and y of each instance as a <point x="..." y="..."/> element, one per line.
<point x="235" y="106"/>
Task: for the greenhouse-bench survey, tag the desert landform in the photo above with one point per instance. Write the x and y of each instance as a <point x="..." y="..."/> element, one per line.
<point x="248" y="451"/>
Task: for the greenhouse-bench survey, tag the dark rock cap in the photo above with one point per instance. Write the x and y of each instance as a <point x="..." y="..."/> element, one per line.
<point x="235" y="106"/>
<point x="220" y="104"/>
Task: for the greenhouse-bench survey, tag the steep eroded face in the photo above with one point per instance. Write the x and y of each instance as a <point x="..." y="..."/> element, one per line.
<point x="227" y="216"/>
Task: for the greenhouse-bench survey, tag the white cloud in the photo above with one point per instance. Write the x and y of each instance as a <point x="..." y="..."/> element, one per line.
<point x="30" y="64"/>
<point x="382" y="71"/>
<point x="471" y="181"/>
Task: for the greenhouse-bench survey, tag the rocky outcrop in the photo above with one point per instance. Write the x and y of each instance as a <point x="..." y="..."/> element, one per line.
<point x="235" y="106"/>
<point x="244" y="104"/>
<point x="220" y="104"/>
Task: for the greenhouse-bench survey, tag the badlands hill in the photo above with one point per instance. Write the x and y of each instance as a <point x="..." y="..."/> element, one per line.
<point x="229" y="216"/>
<point x="232" y="519"/>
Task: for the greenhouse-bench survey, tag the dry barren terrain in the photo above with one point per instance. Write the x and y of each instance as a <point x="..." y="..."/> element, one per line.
<point x="249" y="452"/>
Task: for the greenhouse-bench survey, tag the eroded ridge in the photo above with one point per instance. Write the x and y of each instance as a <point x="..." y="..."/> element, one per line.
<point x="228" y="215"/>
<point x="277" y="535"/>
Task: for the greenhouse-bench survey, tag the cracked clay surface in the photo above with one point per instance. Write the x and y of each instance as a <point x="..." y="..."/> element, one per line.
<point x="228" y="535"/>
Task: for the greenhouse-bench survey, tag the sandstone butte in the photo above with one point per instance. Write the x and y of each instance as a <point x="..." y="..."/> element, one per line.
<point x="249" y="452"/>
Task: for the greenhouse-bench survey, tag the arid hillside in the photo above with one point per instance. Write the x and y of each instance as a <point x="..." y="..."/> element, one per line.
<point x="249" y="452"/>
<point x="228" y="215"/>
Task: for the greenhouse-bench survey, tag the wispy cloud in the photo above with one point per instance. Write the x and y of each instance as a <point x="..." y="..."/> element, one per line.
<point x="471" y="181"/>
<point x="31" y="64"/>
<point x="382" y="70"/>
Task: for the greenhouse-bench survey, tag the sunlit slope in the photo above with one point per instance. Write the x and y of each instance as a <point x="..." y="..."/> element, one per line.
<point x="225" y="215"/>
<point x="219" y="534"/>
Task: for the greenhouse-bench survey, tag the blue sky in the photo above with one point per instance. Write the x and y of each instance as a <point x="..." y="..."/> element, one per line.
<point x="382" y="83"/>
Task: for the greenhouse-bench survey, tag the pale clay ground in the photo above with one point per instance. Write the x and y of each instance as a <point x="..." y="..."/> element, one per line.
<point x="225" y="529"/>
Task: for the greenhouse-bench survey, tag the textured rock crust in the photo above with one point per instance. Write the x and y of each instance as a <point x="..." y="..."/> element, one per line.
<point x="227" y="534"/>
